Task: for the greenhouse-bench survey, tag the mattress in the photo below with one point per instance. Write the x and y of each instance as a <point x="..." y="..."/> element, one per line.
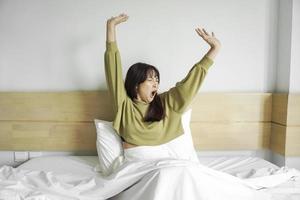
<point x="79" y="168"/>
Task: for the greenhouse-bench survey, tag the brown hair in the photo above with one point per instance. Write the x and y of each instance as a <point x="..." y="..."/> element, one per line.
<point x="137" y="74"/>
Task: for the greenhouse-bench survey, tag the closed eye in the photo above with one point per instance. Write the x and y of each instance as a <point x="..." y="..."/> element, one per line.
<point x="153" y="78"/>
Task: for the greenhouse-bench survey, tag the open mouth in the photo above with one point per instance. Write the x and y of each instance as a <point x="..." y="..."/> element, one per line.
<point x="153" y="93"/>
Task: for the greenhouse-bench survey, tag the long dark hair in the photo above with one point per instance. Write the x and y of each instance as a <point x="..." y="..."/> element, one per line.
<point x="137" y="74"/>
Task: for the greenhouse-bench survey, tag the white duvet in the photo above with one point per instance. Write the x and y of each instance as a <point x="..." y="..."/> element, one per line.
<point x="142" y="179"/>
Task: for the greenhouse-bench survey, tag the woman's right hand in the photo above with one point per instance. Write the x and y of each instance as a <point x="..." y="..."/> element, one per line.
<point x="113" y="21"/>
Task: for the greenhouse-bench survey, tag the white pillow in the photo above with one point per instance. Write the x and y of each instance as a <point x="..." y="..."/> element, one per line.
<point x="182" y="147"/>
<point x="109" y="146"/>
<point x="110" y="149"/>
<point x="186" y="120"/>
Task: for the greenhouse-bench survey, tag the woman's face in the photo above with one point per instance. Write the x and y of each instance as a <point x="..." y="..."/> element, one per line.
<point x="147" y="90"/>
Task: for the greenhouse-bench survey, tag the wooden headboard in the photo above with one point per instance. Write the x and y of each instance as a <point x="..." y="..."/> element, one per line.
<point x="64" y="121"/>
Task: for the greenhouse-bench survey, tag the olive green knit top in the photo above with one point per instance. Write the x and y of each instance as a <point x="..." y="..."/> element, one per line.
<point x="129" y="114"/>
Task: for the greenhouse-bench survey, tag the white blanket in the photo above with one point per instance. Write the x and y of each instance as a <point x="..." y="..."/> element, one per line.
<point x="158" y="178"/>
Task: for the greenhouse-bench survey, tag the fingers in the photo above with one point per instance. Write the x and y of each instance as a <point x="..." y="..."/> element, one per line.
<point x="118" y="19"/>
<point x="200" y="32"/>
<point x="203" y="33"/>
<point x="122" y="16"/>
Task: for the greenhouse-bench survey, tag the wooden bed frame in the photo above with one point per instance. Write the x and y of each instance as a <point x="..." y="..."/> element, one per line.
<point x="64" y="121"/>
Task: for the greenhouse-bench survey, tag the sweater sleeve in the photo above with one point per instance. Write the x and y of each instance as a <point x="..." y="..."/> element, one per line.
<point x="180" y="96"/>
<point x="113" y="73"/>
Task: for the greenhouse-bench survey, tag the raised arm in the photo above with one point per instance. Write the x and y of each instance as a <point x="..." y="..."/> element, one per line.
<point x="113" y="66"/>
<point x="213" y="42"/>
<point x="180" y="96"/>
<point x="111" y="26"/>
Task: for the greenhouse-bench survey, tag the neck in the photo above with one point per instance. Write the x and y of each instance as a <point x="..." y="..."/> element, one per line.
<point x="140" y="100"/>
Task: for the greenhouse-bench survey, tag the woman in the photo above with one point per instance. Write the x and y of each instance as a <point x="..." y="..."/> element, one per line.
<point x="142" y="116"/>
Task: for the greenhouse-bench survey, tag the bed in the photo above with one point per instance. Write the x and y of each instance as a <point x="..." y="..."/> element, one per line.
<point x="63" y="121"/>
<point x="43" y="177"/>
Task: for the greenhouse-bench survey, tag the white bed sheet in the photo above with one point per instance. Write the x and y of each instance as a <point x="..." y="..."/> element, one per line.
<point x="88" y="165"/>
<point x="77" y="168"/>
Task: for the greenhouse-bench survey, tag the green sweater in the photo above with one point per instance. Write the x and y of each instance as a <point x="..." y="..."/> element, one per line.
<point x="129" y="114"/>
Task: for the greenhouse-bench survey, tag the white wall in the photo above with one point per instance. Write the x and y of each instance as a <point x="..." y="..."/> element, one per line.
<point x="58" y="45"/>
<point x="295" y="49"/>
<point x="284" y="45"/>
<point x="288" y="59"/>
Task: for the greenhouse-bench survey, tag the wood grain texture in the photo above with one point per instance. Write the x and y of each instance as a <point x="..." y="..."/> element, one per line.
<point x="63" y="121"/>
<point x="285" y="137"/>
<point x="232" y="107"/>
<point x="279" y="108"/>
<point x="293" y="111"/>
<point x="231" y="136"/>
<point x="55" y="106"/>
<point x="293" y="126"/>
<point x="52" y="136"/>
<point x="278" y="138"/>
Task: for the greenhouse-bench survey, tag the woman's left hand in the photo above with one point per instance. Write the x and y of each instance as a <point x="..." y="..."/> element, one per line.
<point x="210" y="39"/>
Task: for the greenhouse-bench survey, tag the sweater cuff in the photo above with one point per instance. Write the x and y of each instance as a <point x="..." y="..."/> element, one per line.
<point x="111" y="46"/>
<point x="206" y="62"/>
